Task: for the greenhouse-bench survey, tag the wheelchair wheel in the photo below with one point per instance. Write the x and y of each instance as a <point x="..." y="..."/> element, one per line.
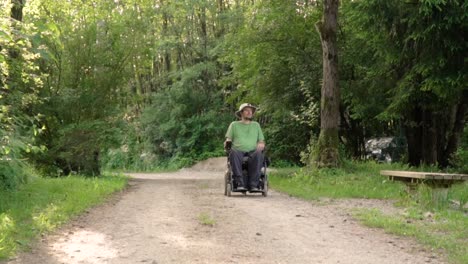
<point x="228" y="189"/>
<point x="265" y="188"/>
<point x="227" y="184"/>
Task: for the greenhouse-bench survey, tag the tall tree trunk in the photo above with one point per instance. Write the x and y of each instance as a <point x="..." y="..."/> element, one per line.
<point x="413" y="136"/>
<point x="219" y="31"/>
<point x="456" y="132"/>
<point x="204" y="37"/>
<point x="429" y="138"/>
<point x="327" y="154"/>
<point x="417" y="135"/>
<point x="17" y="15"/>
<point x="17" y="9"/>
<point x="166" y="60"/>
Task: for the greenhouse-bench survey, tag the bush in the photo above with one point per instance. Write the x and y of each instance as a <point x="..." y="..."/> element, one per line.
<point x="12" y="174"/>
<point x="460" y="159"/>
<point x="181" y="128"/>
<point x="13" y="169"/>
<point x="286" y="139"/>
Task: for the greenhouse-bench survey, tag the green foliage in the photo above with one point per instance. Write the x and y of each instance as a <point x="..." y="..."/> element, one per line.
<point x="139" y="85"/>
<point x="46" y="203"/>
<point x="403" y="64"/>
<point x="460" y="158"/>
<point x="181" y="118"/>
<point x="285" y="138"/>
<point x="14" y="145"/>
<point x="85" y="85"/>
<point x="182" y="126"/>
<point x="12" y="174"/>
<point x="275" y="57"/>
<point x="78" y="147"/>
<point x="421" y="38"/>
<point x="20" y="83"/>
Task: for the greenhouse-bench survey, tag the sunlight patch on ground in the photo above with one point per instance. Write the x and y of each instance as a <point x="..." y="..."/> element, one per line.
<point x="84" y="247"/>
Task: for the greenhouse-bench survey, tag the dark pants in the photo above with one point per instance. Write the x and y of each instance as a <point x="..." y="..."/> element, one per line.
<point x="254" y="165"/>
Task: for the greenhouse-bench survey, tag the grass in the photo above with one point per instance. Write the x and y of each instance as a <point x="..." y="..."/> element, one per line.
<point x="441" y="225"/>
<point x="204" y="186"/>
<point x="444" y="230"/>
<point x="360" y="180"/>
<point x="206" y="219"/>
<point x="44" y="204"/>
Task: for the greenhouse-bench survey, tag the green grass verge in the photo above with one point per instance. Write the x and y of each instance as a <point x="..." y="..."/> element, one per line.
<point x="445" y="230"/>
<point x="43" y="204"/>
<point x="359" y="180"/>
<point x="440" y="225"/>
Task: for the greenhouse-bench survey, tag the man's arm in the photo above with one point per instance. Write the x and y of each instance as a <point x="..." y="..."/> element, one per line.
<point x="261" y="139"/>
<point x="228" y="135"/>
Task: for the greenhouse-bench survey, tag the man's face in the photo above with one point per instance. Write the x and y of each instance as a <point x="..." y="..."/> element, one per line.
<point x="247" y="113"/>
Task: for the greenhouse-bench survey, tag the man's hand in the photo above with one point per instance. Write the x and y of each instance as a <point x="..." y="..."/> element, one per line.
<point x="260" y="146"/>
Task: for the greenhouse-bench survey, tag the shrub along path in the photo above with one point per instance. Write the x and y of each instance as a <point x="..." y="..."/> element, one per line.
<point x="183" y="217"/>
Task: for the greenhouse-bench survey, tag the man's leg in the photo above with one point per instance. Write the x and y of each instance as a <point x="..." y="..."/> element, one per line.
<point x="255" y="165"/>
<point x="235" y="157"/>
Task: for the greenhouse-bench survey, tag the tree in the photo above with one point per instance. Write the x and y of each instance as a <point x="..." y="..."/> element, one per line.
<point x="20" y="82"/>
<point x="410" y="67"/>
<point x="91" y="53"/>
<point x="273" y="58"/>
<point x="327" y="154"/>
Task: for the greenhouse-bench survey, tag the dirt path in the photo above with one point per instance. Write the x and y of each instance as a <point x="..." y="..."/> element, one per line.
<point x="158" y="220"/>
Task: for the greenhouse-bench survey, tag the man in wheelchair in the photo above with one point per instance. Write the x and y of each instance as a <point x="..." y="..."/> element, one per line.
<point x="246" y="138"/>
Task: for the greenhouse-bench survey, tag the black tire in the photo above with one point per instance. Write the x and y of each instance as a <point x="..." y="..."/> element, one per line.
<point x="265" y="188"/>
<point x="226" y="180"/>
<point x="228" y="189"/>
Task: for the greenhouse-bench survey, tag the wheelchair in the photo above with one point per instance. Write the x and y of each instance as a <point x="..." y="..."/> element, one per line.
<point x="230" y="184"/>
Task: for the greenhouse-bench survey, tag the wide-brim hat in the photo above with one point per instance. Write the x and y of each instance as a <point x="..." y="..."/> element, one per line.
<point x="244" y="105"/>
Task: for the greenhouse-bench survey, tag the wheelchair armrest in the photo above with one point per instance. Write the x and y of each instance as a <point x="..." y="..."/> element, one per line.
<point x="228" y="146"/>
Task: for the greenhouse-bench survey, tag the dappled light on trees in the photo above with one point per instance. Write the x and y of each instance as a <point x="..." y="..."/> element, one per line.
<point x="141" y="84"/>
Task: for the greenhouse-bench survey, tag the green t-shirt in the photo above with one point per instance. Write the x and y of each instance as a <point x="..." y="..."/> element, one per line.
<point x="245" y="136"/>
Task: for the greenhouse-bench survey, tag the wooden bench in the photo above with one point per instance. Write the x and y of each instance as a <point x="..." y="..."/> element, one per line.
<point x="439" y="182"/>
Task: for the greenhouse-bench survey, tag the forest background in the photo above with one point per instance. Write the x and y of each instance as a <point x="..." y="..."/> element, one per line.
<point x="146" y="84"/>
